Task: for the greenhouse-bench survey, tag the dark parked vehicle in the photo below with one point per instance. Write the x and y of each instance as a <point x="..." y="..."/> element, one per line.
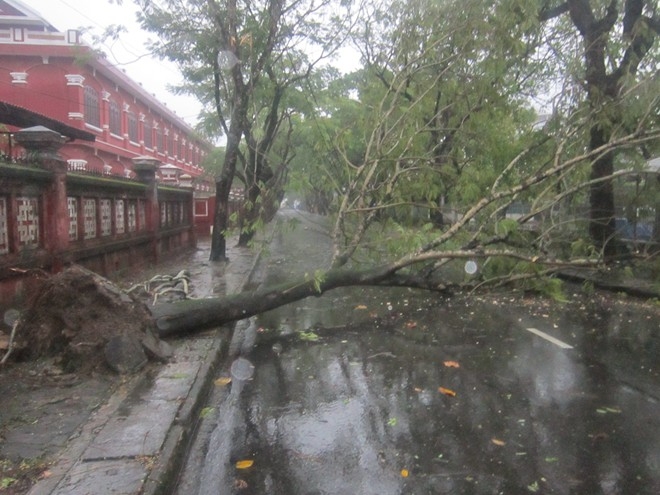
<point x="641" y="231"/>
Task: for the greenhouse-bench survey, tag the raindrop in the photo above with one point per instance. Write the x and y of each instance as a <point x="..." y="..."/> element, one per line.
<point x="10" y="317"/>
<point x="242" y="369"/>
<point x="227" y="60"/>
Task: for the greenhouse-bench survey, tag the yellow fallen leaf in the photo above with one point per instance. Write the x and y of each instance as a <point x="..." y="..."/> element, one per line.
<point x="360" y="306"/>
<point x="451" y="364"/>
<point x="222" y="381"/>
<point x="499" y="442"/>
<point x="405" y="473"/>
<point x="244" y="464"/>
<point x="447" y="391"/>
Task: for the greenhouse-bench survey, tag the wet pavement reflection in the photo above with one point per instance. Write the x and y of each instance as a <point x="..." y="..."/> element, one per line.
<point x="377" y="391"/>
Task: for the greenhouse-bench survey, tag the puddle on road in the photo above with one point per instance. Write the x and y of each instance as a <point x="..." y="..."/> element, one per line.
<point x="399" y="392"/>
<point x="415" y="397"/>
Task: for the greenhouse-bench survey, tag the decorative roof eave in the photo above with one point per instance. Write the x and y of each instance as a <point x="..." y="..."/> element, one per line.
<point x="30" y="18"/>
<point x="22" y="117"/>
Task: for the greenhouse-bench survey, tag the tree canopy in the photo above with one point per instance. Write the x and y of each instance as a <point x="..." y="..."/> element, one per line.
<point x="496" y="132"/>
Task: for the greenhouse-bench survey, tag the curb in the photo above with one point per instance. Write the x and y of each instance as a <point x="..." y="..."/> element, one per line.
<point x="163" y="474"/>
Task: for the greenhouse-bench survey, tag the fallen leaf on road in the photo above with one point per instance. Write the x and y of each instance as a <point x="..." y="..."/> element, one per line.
<point x="451" y="364"/>
<point x="499" y="442"/>
<point x="411" y="324"/>
<point x="221" y="382"/>
<point x="447" y="391"/>
<point x="534" y="487"/>
<point x="605" y="410"/>
<point x="405" y="473"/>
<point x="244" y="464"/>
<point x="206" y="411"/>
<point x="308" y="336"/>
<point x="360" y="306"/>
<point x="417" y="389"/>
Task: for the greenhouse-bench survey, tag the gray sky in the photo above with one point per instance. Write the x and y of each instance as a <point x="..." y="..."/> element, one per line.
<point x="128" y="53"/>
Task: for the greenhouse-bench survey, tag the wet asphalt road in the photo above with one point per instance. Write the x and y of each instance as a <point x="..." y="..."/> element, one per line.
<point x="402" y="392"/>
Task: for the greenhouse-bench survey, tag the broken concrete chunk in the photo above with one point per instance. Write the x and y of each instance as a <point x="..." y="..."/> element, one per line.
<point x="156" y="348"/>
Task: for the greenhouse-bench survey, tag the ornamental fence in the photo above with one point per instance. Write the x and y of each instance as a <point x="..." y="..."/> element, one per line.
<point x="51" y="216"/>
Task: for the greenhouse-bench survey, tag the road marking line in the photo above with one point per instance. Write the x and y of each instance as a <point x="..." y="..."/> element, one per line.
<point x="549" y="338"/>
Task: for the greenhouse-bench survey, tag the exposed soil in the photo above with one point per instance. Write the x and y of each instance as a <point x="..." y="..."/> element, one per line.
<point x="73" y="318"/>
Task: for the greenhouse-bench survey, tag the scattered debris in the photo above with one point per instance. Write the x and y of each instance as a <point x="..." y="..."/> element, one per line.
<point x="174" y="286"/>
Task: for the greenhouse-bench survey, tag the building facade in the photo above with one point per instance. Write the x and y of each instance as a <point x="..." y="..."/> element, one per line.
<point x="57" y="75"/>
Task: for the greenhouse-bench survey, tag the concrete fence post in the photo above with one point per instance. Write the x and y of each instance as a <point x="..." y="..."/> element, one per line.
<point x="186" y="182"/>
<point x="42" y="145"/>
<point x="145" y="168"/>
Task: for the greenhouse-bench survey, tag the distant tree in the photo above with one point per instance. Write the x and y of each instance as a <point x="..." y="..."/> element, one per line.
<point x="619" y="47"/>
<point x="440" y="109"/>
<point x="240" y="57"/>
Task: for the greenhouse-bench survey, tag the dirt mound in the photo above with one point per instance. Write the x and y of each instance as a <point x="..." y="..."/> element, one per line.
<point x="89" y="324"/>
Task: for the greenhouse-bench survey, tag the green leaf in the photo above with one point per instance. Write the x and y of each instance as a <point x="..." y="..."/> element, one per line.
<point x="7" y="482"/>
<point x="308" y="336"/>
<point x="206" y="411"/>
<point x="506" y="227"/>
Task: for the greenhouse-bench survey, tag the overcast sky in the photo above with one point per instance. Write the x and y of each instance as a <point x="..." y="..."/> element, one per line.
<point x="128" y="53"/>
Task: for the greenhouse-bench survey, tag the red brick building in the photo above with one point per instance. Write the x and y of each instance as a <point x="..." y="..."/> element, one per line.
<point x="55" y="74"/>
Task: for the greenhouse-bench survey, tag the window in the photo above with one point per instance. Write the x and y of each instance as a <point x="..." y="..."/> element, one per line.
<point x="170" y="146"/>
<point x="132" y="127"/>
<point x="115" y="118"/>
<point x="92" y="109"/>
<point x="160" y="140"/>
<point x="148" y="135"/>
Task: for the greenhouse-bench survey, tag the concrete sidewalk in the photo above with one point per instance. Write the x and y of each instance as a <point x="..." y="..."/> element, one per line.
<point x="133" y="443"/>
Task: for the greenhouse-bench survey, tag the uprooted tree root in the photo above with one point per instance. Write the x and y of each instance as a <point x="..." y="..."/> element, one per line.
<point x="89" y="324"/>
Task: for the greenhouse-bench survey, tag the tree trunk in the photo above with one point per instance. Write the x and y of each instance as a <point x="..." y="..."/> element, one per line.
<point x="249" y="215"/>
<point x="604" y="81"/>
<point x="221" y="215"/>
<point x="259" y="172"/>
<point x="223" y="184"/>
<point x="602" y="228"/>
<point x="200" y="314"/>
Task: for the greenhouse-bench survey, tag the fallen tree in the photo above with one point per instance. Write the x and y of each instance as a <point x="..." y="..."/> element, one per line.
<point x="193" y="315"/>
<point x="438" y="118"/>
<point x="479" y="235"/>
